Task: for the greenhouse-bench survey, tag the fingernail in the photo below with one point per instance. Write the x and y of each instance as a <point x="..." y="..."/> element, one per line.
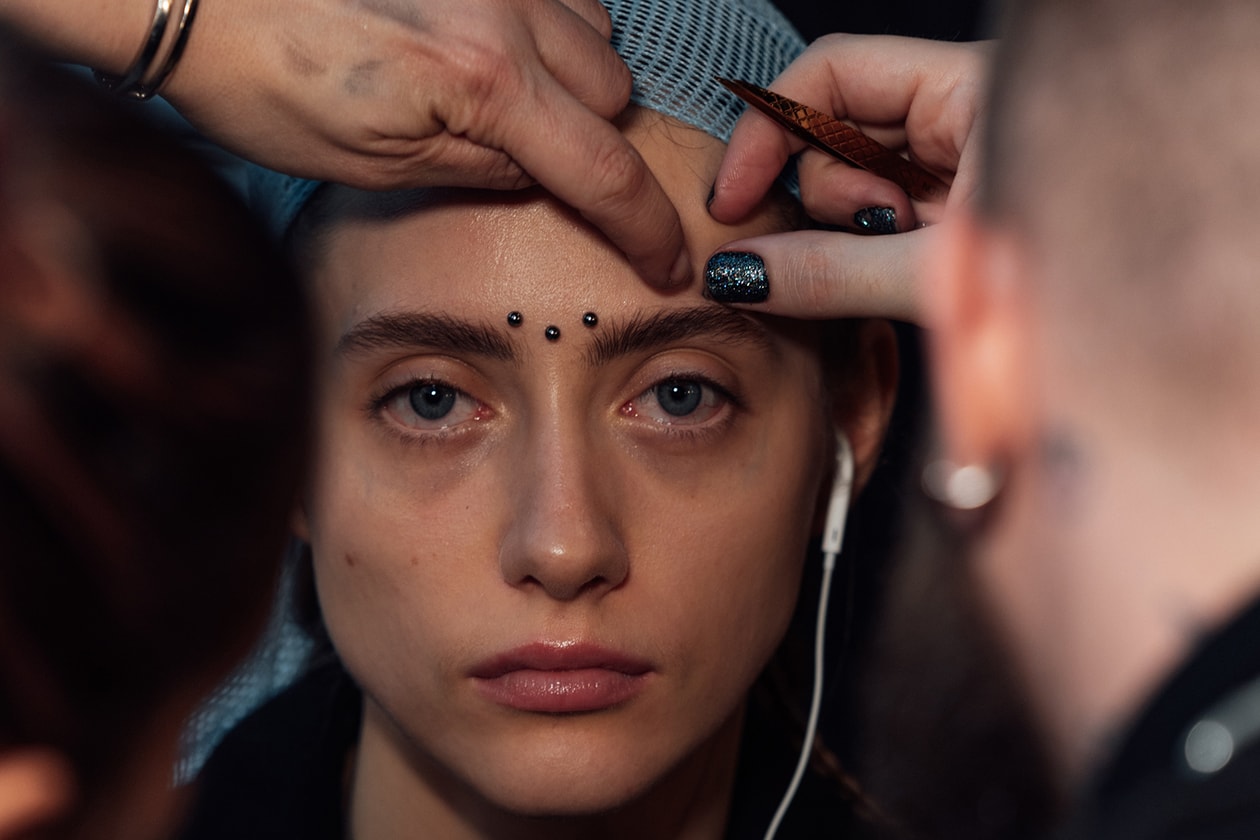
<point x="876" y="220"/>
<point x="680" y="274"/>
<point x="736" y="277"/>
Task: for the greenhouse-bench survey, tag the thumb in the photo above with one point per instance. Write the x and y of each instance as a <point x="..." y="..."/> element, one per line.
<point x="815" y="274"/>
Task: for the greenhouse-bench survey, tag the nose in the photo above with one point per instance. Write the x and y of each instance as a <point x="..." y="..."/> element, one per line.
<point x="563" y="538"/>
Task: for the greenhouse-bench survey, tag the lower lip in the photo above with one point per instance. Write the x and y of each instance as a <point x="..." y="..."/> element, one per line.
<point x="559" y="692"/>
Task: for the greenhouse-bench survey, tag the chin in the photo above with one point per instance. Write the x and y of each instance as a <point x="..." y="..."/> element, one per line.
<point x="592" y="798"/>
<point x="585" y="781"/>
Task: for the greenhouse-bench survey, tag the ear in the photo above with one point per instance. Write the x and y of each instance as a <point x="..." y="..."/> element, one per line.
<point x="866" y="396"/>
<point x="980" y="336"/>
<point x="36" y="787"/>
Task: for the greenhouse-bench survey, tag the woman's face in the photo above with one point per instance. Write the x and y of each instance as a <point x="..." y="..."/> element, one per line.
<point x="555" y="566"/>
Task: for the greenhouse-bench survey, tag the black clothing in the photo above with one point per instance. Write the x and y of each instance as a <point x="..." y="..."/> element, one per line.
<point x="280" y="774"/>
<point x="1150" y="791"/>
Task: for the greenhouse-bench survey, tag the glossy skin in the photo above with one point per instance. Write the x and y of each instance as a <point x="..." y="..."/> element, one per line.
<point x="558" y="507"/>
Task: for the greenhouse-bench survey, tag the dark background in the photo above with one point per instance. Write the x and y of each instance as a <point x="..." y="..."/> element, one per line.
<point x="952" y="20"/>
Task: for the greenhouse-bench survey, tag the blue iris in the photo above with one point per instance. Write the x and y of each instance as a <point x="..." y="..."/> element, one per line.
<point x="679" y="397"/>
<point x="432" y="401"/>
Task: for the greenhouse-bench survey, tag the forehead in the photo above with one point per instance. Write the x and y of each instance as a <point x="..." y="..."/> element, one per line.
<point x="489" y="253"/>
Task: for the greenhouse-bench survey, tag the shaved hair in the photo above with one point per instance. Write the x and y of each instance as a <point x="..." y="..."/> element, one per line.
<point x="1123" y="146"/>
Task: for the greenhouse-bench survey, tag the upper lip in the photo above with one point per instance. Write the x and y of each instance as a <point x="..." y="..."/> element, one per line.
<point x="558" y="656"/>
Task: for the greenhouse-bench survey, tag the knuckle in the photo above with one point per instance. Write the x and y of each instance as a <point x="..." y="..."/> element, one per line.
<point x="816" y="286"/>
<point x="482" y="71"/>
<point x="829" y="44"/>
<point x="618" y="177"/>
<point x="600" y="16"/>
<point x="620" y="86"/>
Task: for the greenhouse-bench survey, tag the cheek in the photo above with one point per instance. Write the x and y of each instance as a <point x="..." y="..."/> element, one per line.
<point x="393" y="541"/>
<point x="724" y="555"/>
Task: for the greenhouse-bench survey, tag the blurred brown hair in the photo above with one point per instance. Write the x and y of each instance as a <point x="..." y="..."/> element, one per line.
<point x="153" y="419"/>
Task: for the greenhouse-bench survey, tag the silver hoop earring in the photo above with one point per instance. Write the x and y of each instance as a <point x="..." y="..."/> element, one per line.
<point x="961" y="487"/>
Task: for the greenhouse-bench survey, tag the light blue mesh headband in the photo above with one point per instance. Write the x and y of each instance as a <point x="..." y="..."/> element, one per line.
<point x="674" y="49"/>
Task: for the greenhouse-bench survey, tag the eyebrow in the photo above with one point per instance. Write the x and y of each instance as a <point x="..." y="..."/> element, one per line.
<point x="644" y="332"/>
<point x="420" y="329"/>
<point x="648" y="332"/>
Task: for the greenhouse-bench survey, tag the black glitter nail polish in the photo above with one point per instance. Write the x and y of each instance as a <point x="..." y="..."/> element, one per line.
<point x="552" y="333"/>
<point x="515" y="319"/>
<point x="736" y="277"/>
<point x="876" y="220"/>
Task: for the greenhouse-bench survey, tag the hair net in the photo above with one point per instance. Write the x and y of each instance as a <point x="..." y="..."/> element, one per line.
<point x="674" y="48"/>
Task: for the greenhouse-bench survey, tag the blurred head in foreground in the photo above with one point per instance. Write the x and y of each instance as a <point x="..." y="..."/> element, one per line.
<point x="1097" y="365"/>
<point x="153" y="414"/>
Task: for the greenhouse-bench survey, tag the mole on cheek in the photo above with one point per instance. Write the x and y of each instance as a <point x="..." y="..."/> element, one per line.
<point x="350" y="560"/>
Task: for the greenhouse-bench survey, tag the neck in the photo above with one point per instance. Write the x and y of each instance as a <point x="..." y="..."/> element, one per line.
<point x="1106" y="568"/>
<point x="398" y="792"/>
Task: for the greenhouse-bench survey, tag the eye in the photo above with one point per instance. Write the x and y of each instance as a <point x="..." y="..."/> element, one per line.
<point x="679" y="397"/>
<point x="679" y="401"/>
<point x="429" y="405"/>
<point x="432" y="401"/>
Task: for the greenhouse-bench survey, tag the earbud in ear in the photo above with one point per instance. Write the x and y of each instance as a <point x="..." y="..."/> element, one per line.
<point x="841" y="490"/>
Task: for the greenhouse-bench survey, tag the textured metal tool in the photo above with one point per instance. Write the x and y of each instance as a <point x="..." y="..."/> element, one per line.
<point x="841" y="140"/>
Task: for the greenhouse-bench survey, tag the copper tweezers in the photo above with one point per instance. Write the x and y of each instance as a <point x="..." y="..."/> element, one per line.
<point x="840" y="140"/>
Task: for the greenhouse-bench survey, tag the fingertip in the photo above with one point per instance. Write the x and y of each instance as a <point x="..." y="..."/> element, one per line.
<point x="736" y="276"/>
<point x="657" y="272"/>
<point x="837" y="194"/>
<point x="756" y="154"/>
<point x="878" y="221"/>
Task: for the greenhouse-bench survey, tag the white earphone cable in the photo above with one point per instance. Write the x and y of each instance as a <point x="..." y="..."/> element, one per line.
<point x="833" y="537"/>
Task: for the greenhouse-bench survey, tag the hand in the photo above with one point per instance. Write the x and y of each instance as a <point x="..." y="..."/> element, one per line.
<point x="922" y="97"/>
<point x="402" y="93"/>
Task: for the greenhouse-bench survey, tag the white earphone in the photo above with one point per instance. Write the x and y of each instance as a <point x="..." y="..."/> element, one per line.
<point x="833" y="538"/>
<point x="838" y="506"/>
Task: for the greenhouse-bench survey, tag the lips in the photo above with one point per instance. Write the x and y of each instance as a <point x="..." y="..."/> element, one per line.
<point x="560" y="678"/>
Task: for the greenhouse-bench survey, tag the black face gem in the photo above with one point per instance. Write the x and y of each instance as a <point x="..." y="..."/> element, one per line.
<point x="590" y="319"/>
<point x="515" y="319"/>
<point x="552" y="333"/>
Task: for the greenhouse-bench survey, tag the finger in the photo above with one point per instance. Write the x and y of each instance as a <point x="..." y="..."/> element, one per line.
<point x="594" y="13"/>
<point x="818" y="274"/>
<point x="442" y="161"/>
<point x="586" y="162"/>
<point x="902" y="91"/>
<point x="580" y="58"/>
<point x="906" y="93"/>
<point x="835" y="193"/>
<point x="755" y="156"/>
